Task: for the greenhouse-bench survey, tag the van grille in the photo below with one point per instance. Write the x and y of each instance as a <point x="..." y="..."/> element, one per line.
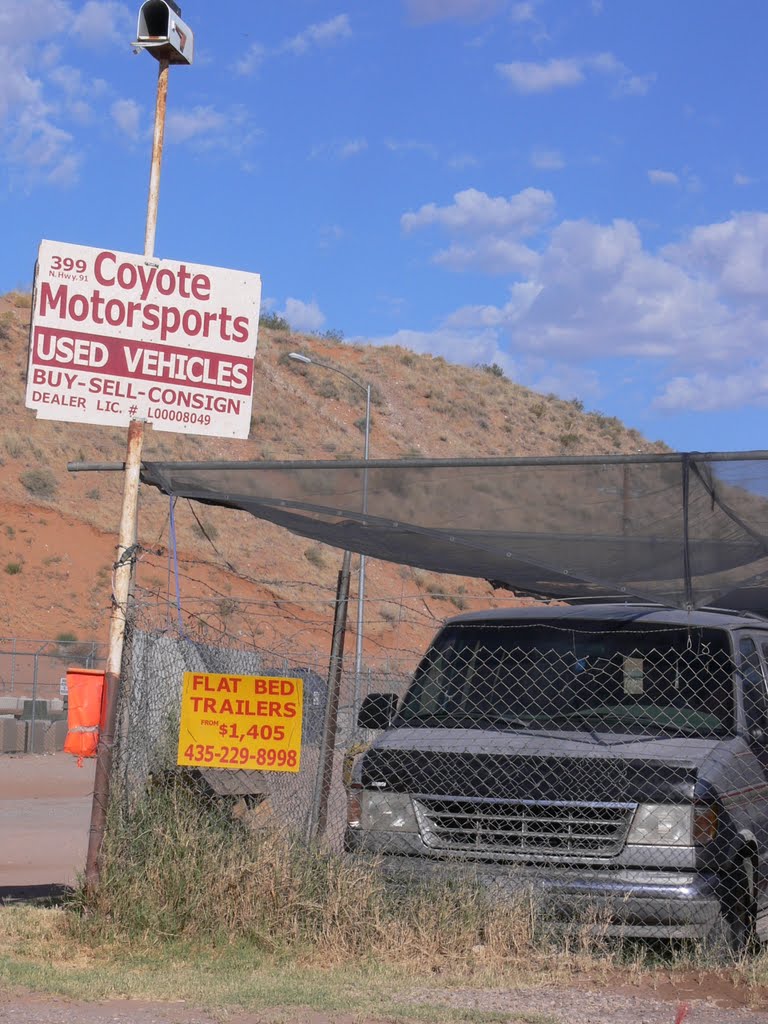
<point x="547" y="828"/>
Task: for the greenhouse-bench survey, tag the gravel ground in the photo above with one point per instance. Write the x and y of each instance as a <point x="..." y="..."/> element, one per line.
<point x="550" y="1006"/>
<point x="583" y="1006"/>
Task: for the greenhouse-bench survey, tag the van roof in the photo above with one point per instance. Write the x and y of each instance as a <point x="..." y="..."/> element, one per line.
<point x="650" y="614"/>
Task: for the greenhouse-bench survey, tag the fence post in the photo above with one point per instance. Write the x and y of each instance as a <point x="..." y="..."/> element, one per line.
<point x="327" y="747"/>
<point x="34" y="705"/>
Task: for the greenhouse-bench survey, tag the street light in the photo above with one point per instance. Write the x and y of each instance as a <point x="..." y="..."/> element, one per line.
<point x="301" y="358"/>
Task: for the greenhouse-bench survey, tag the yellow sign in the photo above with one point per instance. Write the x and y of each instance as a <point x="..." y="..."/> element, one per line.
<point x="251" y="722"/>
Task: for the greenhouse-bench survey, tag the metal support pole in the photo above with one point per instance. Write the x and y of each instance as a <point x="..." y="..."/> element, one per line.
<point x="328" y="744"/>
<point x="33" y="721"/>
<point x="123" y="575"/>
<point x="153" y="197"/>
<point x="361" y="587"/>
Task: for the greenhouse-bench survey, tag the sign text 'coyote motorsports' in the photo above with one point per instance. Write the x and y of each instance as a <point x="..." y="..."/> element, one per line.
<point x="116" y="337"/>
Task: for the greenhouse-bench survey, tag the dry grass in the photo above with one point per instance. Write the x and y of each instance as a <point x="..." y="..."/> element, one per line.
<point x="182" y="870"/>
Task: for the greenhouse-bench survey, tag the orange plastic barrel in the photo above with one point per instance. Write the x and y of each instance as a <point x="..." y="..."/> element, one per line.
<point x="85" y="688"/>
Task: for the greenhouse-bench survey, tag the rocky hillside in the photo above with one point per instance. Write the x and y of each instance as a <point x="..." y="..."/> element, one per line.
<point x="237" y="575"/>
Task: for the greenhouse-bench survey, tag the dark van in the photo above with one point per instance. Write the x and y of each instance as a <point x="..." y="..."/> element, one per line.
<point x="613" y="752"/>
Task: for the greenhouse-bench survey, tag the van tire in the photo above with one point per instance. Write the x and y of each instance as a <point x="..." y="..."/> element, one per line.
<point x="739" y="908"/>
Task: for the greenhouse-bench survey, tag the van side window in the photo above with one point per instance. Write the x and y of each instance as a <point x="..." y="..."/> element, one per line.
<point x="755" y="707"/>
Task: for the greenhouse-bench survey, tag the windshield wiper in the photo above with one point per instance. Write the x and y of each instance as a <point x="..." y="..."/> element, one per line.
<point x="645" y="722"/>
<point x="469" y="719"/>
<point x="583" y="718"/>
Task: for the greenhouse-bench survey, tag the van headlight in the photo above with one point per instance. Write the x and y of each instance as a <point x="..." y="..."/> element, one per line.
<point x="662" y="825"/>
<point x="387" y="812"/>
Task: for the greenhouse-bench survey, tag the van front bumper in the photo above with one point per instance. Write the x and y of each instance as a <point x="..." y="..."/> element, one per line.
<point x="632" y="903"/>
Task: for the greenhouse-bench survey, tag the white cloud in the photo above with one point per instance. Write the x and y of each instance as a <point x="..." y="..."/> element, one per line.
<point x="475" y="212"/>
<point x="547" y="160"/>
<point x="527" y="77"/>
<point x="24" y="23"/>
<point x="742" y="179"/>
<point x="491" y="229"/>
<point x="103" y="21"/>
<point x="340" y="150"/>
<point x="530" y="77"/>
<point x="521" y="12"/>
<point x="412" y="146"/>
<point x="490" y="255"/>
<point x="658" y="177"/>
<point x="184" y="125"/>
<point x="321" y="34"/>
<point x="424" y="11"/>
<point x="461" y="161"/>
<point x="708" y="392"/>
<point x="252" y="59"/>
<point x="586" y="296"/>
<point x="733" y="254"/>
<point x="127" y="116"/>
<point x="303" y="316"/>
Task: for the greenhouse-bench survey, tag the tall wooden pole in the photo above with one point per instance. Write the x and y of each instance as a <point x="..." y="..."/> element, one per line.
<point x="123" y="573"/>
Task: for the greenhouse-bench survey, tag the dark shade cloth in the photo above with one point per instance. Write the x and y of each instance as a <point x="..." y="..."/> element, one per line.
<point x="684" y="530"/>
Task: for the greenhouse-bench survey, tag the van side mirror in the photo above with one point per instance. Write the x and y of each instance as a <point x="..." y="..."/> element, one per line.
<point x="377" y="711"/>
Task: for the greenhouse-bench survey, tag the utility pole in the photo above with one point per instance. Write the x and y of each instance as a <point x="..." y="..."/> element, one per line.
<point x="162" y="33"/>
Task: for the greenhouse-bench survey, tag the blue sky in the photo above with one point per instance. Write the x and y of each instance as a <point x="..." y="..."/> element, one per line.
<point x="574" y="189"/>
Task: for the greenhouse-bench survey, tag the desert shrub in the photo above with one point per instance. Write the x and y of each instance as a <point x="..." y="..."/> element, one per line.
<point x="493" y="368"/>
<point x="41" y="483"/>
<point x="314" y="555"/>
<point x="333" y="335"/>
<point x="274" y="322"/>
<point x="21" y="300"/>
<point x="324" y="387"/>
<point x="6" y="323"/>
<point x="13" y="568"/>
<point x="15" y="444"/>
<point x="205" y="530"/>
<point x="568" y="441"/>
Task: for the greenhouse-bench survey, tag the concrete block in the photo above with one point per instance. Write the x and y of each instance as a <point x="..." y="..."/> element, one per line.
<point x="10" y="705"/>
<point x="34" y="708"/>
<point x="36" y="736"/>
<point x="13" y="736"/>
<point x="54" y="738"/>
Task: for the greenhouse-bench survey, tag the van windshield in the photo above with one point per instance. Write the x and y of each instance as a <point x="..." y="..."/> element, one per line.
<point x="595" y="677"/>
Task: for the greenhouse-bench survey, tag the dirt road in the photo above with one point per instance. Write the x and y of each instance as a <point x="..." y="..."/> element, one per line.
<point x="45" y="809"/>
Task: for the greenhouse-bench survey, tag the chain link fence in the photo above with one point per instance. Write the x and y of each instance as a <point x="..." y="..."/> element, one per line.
<point x="33" y="691"/>
<point x="601" y="754"/>
<point x="149" y="721"/>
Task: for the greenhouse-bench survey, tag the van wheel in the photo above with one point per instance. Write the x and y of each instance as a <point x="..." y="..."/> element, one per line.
<point x="739" y="908"/>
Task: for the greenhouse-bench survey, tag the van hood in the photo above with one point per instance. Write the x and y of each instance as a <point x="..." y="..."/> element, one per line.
<point x="536" y="766"/>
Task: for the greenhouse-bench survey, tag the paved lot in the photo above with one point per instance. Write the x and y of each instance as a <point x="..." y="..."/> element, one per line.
<point x="45" y="810"/>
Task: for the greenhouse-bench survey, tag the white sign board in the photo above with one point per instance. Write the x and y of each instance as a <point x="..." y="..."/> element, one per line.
<point x="116" y="337"/>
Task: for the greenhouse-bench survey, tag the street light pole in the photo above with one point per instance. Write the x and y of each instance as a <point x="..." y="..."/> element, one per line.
<point x="366" y="388"/>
